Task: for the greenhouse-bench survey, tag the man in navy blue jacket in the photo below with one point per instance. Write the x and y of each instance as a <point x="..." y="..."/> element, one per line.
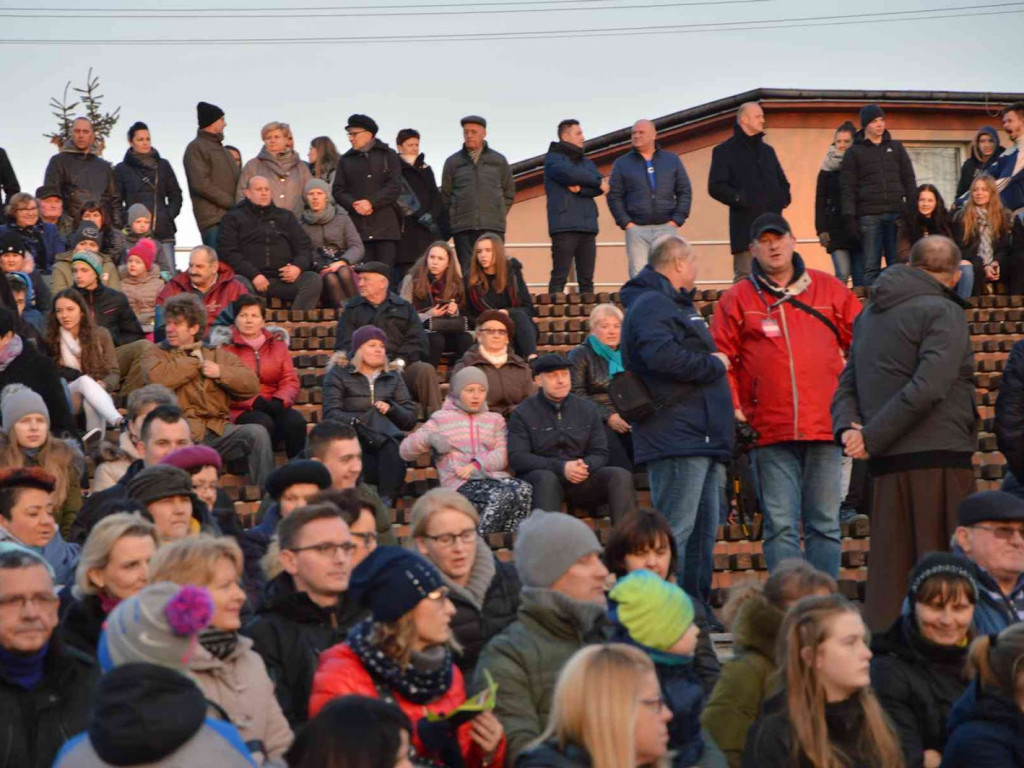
<point x="571" y="182"/>
<point x="649" y="194"/>
<point x="667" y="343"/>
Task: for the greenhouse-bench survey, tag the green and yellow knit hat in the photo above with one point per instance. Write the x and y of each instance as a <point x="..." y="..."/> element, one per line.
<point x="655" y="612"/>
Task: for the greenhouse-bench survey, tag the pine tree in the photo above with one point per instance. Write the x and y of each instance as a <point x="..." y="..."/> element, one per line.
<point x="102" y="122"/>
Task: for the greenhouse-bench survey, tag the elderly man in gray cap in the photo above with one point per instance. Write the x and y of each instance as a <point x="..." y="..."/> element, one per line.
<point x="476" y="189"/>
<point x="557" y="443"/>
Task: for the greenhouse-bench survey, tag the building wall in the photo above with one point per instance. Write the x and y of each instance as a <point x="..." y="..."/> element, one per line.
<point x="800" y="134"/>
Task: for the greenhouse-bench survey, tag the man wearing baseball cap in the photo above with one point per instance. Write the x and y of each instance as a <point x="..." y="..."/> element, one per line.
<point x="557" y="443"/>
<point x="785" y="330"/>
<point x="51" y="210"/>
<point x="476" y="189"/>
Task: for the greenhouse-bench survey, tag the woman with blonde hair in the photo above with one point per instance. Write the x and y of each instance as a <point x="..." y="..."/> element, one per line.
<point x="402" y="654"/>
<point x="230" y="673"/>
<point x="281" y="166"/>
<point x="113" y="566"/>
<point x="826" y="716"/>
<point x="607" y="712"/>
<point x="987" y="722"/>
<point x="982" y="230"/>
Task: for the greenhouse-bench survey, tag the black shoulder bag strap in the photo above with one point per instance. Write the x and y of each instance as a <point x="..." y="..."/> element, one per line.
<point x="816" y="314"/>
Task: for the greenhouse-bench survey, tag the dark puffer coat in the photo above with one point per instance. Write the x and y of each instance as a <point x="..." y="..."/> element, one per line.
<point x="212" y="174"/>
<point x="566" y="165"/>
<point x="290" y="632"/>
<point x="82" y="624"/>
<point x="154" y="186"/>
<point x="260" y="239"/>
<point x="82" y="176"/>
<point x="590" y="378"/>
<point x="827" y="211"/>
<point x="348" y="396"/>
<point x="545" y="435"/>
<point x="477" y="195"/>
<point x="373" y="175"/>
<point x="876" y="178"/>
<point x="917" y="684"/>
<point x="111" y="309"/>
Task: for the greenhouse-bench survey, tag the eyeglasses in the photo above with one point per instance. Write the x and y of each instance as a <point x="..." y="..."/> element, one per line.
<point x="1002" y="532"/>
<point x="18" y="602"/>
<point x="356" y="132"/>
<point x="494" y="331"/>
<point x="441" y="593"/>
<point x="369" y="539"/>
<point x="446" y="540"/>
<point x="327" y="548"/>
<point x="656" y="705"/>
<point x="29" y="208"/>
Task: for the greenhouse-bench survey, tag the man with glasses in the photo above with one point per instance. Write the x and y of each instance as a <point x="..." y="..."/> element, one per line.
<point x="46" y="688"/>
<point x="990" y="534"/>
<point x="305" y="610"/>
<point x="905" y="402"/>
<point x="367" y="184"/>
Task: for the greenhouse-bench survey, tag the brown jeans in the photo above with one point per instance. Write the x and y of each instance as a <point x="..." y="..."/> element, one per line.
<point x="912" y="513"/>
<point x="128" y="359"/>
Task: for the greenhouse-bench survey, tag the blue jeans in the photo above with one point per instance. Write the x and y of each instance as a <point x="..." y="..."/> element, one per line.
<point x="800" y="482"/>
<point x="965" y="286"/>
<point x="847" y="264"/>
<point x="639" y="240"/>
<point x="688" y="491"/>
<point x="877" y="236"/>
<point x="210" y="236"/>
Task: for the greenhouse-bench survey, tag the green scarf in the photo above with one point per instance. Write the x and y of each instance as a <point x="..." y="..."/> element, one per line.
<point x="613" y="356"/>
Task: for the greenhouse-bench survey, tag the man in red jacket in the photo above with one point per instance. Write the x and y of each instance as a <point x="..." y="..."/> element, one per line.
<point x="209" y="278"/>
<point x="786" y="329"/>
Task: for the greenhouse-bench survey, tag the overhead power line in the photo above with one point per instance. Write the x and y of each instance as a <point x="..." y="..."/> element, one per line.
<point x="339" y="13"/>
<point x="878" y="17"/>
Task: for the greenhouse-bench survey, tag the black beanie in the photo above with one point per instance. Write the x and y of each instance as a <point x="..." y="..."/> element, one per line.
<point x="934" y="564"/>
<point x="208" y="114"/>
<point x="295" y="472"/>
<point x="869" y="113"/>
<point x="391" y="581"/>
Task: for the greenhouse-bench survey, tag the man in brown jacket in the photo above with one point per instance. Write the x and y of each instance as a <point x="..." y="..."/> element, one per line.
<point x="211" y="171"/>
<point x="205" y="381"/>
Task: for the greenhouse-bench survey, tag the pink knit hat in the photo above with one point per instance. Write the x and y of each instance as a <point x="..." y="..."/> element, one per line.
<point x="145" y="249"/>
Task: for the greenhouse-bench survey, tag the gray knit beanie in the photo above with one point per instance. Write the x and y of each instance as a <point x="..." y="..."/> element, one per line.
<point x="317" y="184"/>
<point x="16" y="402"/>
<point x="468" y="375"/>
<point x="138" y="211"/>
<point x="548" y="544"/>
<point x="160" y="481"/>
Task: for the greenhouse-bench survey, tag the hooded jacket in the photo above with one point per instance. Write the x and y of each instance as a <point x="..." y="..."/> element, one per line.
<point x="507" y="386"/>
<point x="224" y="290"/>
<point x="477" y="195"/>
<point x="260" y="239"/>
<point x="150" y="180"/>
<point x="82" y="176"/>
<point x="785" y="362"/>
<point x="64" y="275"/>
<point x="110" y="308"/>
<point x="43" y="241"/>
<point x="985" y="729"/>
<point x="141" y="292"/>
<point x="212" y="175"/>
<point x="373" y="174"/>
<point x="272" y="363"/>
<point x="204" y="401"/>
<point x="290" y="632"/>
<point x="631" y="198"/>
<point x="909" y="377"/>
<point x="37" y="722"/>
<point x="285" y="172"/>
<point x="666" y="342"/>
<point x="151" y="716"/>
<point x="876" y="178"/>
<point x="476" y="438"/>
<point x="975" y="165"/>
<point x="746" y="176"/>
<point x="746" y="679"/>
<point x="566" y="165"/>
<point x="527" y="657"/>
<point x="917" y="684"/>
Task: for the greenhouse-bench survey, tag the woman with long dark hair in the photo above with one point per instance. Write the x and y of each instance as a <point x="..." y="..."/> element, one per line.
<point x="353" y="732"/>
<point x="828" y="219"/>
<point x="923" y="216"/>
<point x="434" y="286"/>
<point x="826" y="714"/>
<point x="496" y="281"/>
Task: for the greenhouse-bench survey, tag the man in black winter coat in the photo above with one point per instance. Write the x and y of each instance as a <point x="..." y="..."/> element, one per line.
<point x="406" y="337"/>
<point x="367" y="185"/>
<point x="556" y="442"/>
<point x="746" y="176"/>
<point x="305" y="610"/>
<point x="46" y="689"/>
<point x="876" y="180"/>
<point x="267" y="246"/>
<point x="905" y="402"/>
<point x="81" y="175"/>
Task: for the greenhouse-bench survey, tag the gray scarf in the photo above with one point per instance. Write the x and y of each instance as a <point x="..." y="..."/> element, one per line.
<point x="833" y="159"/>
<point x="480" y="576"/>
<point x="323" y="217"/>
<point x="984" y="236"/>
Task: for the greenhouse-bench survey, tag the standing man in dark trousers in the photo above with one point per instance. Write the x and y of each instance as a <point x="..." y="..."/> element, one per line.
<point x="211" y="171"/>
<point x="476" y="189"/>
<point x="746" y="176"/>
<point x="905" y="402"/>
<point x="367" y="185"/>
<point x="571" y="182"/>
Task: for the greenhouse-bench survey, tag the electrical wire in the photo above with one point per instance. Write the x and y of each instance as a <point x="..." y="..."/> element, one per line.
<point x="878" y="17"/>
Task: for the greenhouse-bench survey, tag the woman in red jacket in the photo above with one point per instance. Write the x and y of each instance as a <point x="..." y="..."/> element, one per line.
<point x="401" y="654"/>
<point x="265" y="350"/>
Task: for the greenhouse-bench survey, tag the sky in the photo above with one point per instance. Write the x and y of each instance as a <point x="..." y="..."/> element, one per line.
<point x="604" y="62"/>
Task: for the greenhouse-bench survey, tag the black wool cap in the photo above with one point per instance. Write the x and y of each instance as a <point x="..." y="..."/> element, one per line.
<point x="12" y="242"/>
<point x="365" y="122"/>
<point x="208" y="114"/>
<point x="552" y="361"/>
<point x="391" y="581"/>
<point x="295" y="472"/>
<point x="989" y="506"/>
